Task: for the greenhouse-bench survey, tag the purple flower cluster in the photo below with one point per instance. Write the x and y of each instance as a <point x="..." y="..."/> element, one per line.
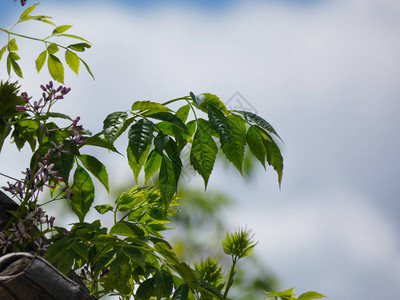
<point x="77" y="131"/>
<point x="49" y="97"/>
<point x="23" y="2"/>
<point x="32" y="184"/>
<point x="29" y="230"/>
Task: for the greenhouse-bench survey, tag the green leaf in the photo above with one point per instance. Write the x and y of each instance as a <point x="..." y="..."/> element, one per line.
<point x="166" y="179"/>
<point x="182" y="292"/>
<point x="135" y="255"/>
<point x="100" y="142"/>
<point x="52" y="48"/>
<point x="148" y="105"/>
<point x="40" y="60"/>
<point x="168" y="117"/>
<point x="74" y="37"/>
<point x="220" y="124"/>
<point x="43" y="19"/>
<point x="56" y="68"/>
<point x="164" y="283"/>
<point x="25" y="131"/>
<point x="87" y="67"/>
<point x="287" y="293"/>
<point x="126" y="229"/>
<point x="82" y="250"/>
<point x="310" y="295"/>
<point x="209" y="290"/>
<point x="214" y="101"/>
<point x="61" y="29"/>
<point x="27" y="11"/>
<point x="82" y="193"/>
<point x="204" y="150"/>
<point x="174" y="155"/>
<point x="103" y="260"/>
<point x="140" y="135"/>
<point x="255" y="141"/>
<point x="274" y="158"/>
<point x="55" y="251"/>
<point x="102" y="209"/>
<point x="134" y="164"/>
<point x="120" y="272"/>
<point x="113" y="125"/>
<point x="152" y="165"/>
<point x="2" y="50"/>
<point x="234" y="149"/>
<point x="160" y="141"/>
<point x="255" y="119"/>
<point x="146" y="289"/>
<point x="72" y="60"/>
<point x="58" y="115"/>
<point x="12" y="45"/>
<point x="183" y="112"/>
<point x="12" y="61"/>
<point x="80" y="47"/>
<point x="94" y="166"/>
<point x="64" y="161"/>
<point x="66" y="260"/>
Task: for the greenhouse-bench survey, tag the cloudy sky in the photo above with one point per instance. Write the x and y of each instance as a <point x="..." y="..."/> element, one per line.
<point x="325" y="73"/>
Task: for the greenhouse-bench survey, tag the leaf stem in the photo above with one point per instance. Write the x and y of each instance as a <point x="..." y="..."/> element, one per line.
<point x="230" y="277"/>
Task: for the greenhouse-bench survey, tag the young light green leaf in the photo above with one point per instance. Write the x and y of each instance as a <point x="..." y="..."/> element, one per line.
<point x="27" y="11"/>
<point x="72" y="36"/>
<point x="167" y="180"/>
<point x="310" y="295"/>
<point x="82" y="193"/>
<point x="87" y="67"/>
<point x="287" y="293"/>
<point x="52" y="48"/>
<point x="214" y="101"/>
<point x="12" y="45"/>
<point x="61" y="29"/>
<point x="122" y="228"/>
<point x="40" y="60"/>
<point x="72" y="60"/>
<point x="113" y="125"/>
<point x="2" y="50"/>
<point x="152" y="165"/>
<point x="80" y="47"/>
<point x="136" y="166"/>
<point x="182" y="292"/>
<point x="256" y="144"/>
<point x="148" y="105"/>
<point x="183" y="112"/>
<point x="103" y="208"/>
<point x="11" y="60"/>
<point x="204" y="150"/>
<point x="94" y="166"/>
<point x="56" y="68"/>
<point x="140" y="135"/>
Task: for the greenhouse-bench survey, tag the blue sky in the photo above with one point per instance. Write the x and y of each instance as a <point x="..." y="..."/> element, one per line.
<point x="324" y="73"/>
